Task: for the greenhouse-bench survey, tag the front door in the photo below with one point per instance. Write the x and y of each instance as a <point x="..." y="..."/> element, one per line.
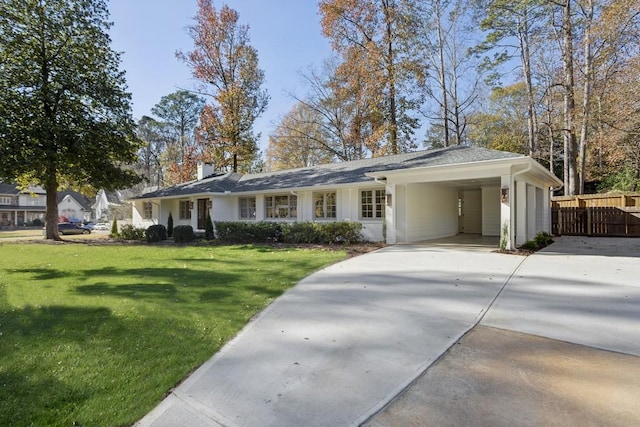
<point x="202" y="213"/>
<point x="472" y="212"/>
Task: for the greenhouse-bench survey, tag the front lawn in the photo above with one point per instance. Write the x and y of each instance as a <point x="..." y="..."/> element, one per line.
<point x="96" y="335"/>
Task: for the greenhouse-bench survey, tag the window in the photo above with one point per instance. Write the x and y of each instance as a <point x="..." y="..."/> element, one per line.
<point x="324" y="205"/>
<point x="5" y="200"/>
<point x="247" y="207"/>
<point x="36" y="201"/>
<point x="147" y="210"/>
<point x="185" y="209"/>
<point x="372" y="203"/>
<point x="281" y="206"/>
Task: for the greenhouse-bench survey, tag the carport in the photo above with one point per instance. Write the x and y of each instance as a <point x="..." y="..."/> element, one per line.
<point x="503" y="198"/>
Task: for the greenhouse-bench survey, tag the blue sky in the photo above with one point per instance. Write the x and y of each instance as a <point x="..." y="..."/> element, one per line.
<point x="286" y="34"/>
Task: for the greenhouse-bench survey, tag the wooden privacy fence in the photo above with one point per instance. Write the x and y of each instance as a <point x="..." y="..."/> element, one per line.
<point x="607" y="200"/>
<point x="595" y="221"/>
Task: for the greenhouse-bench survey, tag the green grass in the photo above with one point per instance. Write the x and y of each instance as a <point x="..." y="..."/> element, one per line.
<point x="97" y="334"/>
<point x="19" y="233"/>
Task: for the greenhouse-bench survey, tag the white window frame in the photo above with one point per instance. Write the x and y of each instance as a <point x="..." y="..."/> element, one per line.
<point x="281" y="206"/>
<point x="320" y="202"/>
<point x="147" y="210"/>
<point x="374" y="203"/>
<point x="5" y="200"/>
<point x="184" y="215"/>
<point x="247" y="207"/>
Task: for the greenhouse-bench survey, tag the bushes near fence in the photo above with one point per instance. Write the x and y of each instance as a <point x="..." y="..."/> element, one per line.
<point x="343" y="232"/>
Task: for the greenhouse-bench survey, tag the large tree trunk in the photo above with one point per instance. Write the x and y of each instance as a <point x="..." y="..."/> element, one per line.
<point x="586" y="94"/>
<point x="441" y="76"/>
<point x="393" y="114"/>
<point x="570" y="145"/>
<point x="525" y="57"/>
<point x="51" y="187"/>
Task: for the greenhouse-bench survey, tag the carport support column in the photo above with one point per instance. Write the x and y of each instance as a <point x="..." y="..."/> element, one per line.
<point x="390" y="216"/>
<point x="521" y="212"/>
<point x="507" y="200"/>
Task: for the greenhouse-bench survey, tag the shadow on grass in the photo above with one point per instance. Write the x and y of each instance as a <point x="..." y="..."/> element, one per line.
<point x="66" y="365"/>
<point x="42" y="273"/>
<point x="140" y="290"/>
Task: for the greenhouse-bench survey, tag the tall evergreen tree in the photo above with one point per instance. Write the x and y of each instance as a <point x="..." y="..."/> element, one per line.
<point x="65" y="115"/>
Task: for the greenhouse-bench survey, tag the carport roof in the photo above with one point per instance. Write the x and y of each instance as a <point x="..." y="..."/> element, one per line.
<point x="333" y="174"/>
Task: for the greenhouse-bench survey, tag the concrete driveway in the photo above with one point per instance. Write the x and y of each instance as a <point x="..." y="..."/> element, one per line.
<point x="343" y="343"/>
<point x="559" y="346"/>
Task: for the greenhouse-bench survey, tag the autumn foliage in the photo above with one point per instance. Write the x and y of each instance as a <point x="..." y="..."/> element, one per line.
<point x="226" y="65"/>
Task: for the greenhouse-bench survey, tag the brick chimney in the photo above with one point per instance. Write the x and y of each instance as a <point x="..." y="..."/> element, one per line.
<point x="204" y="170"/>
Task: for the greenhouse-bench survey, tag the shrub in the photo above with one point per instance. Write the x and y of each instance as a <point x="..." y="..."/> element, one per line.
<point x="343" y="232"/>
<point x="114" y="228"/>
<point x="302" y="232"/>
<point x="183" y="234"/>
<point x="530" y="245"/>
<point x="156" y="233"/>
<point x="129" y="232"/>
<point x="37" y="222"/>
<point x="543" y="239"/>
<point x="208" y="228"/>
<point x="249" y="232"/>
<point x="170" y="225"/>
<point x="540" y="241"/>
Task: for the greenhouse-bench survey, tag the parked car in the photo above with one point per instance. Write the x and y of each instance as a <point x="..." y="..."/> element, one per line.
<point x="70" y="228"/>
<point x="90" y="225"/>
<point x="101" y="226"/>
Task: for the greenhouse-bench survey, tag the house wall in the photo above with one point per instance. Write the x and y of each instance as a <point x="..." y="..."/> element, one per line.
<point x="29" y="200"/>
<point x="490" y="211"/>
<point x="431" y="211"/>
<point x="226" y="208"/>
<point x="71" y="209"/>
<point x="136" y="214"/>
<point x="101" y="205"/>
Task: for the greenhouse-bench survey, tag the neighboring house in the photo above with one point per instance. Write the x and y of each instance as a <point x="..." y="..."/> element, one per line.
<point x="403" y="198"/>
<point x="105" y="200"/>
<point x="21" y="207"/>
<point x="74" y="206"/>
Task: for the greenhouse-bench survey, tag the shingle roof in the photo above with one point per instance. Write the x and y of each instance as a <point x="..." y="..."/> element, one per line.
<point x="13" y="188"/>
<point x="84" y="201"/>
<point x="216" y="183"/>
<point x="334" y="173"/>
<point x="8" y="188"/>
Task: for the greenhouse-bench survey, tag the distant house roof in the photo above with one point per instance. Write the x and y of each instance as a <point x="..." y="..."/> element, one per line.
<point x="83" y="200"/>
<point x="331" y="174"/>
<point x="8" y="188"/>
<point x="113" y="197"/>
<point x="13" y="188"/>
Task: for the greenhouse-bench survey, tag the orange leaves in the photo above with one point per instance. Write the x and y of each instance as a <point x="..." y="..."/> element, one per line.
<point x="226" y="65"/>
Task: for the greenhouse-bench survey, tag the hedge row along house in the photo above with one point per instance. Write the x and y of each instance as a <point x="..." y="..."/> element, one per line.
<point x="403" y="198"/>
